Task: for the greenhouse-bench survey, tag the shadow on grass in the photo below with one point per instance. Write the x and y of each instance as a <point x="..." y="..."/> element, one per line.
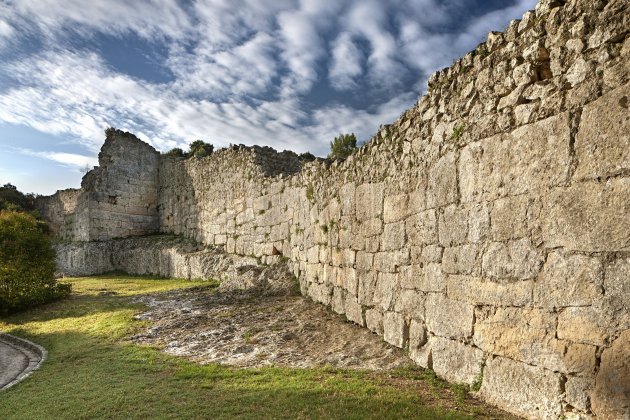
<point x="86" y="377"/>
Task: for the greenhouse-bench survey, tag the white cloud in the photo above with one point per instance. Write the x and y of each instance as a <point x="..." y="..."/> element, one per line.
<point x="346" y="63"/>
<point x="243" y="69"/>
<point x="73" y="160"/>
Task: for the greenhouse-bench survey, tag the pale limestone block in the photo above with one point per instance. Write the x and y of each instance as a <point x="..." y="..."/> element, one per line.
<point x="396" y="208"/>
<point x="410" y="303"/>
<point x="461" y="260"/>
<point x="577" y="392"/>
<point x="602" y="145"/>
<point x="569" y="280"/>
<point x="367" y="287"/>
<point x="453" y="226"/>
<point x="448" y="318"/>
<point x="442" y="185"/>
<point x="421" y="228"/>
<point x="527" y="390"/>
<point x="374" y="321"/>
<point x="454" y="361"/>
<point x="478" y="291"/>
<point x="353" y="311"/>
<point x="611" y="397"/>
<point x="393" y="237"/>
<point x="509" y="218"/>
<point x="394" y="329"/>
<point x="369" y="201"/>
<point x="588" y="216"/>
<point x="582" y="325"/>
<point x="386" y="289"/>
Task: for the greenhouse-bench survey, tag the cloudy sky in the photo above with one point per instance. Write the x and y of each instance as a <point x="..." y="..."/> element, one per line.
<point x="291" y="74"/>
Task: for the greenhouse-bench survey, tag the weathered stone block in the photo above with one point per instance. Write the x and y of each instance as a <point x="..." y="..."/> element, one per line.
<point x="478" y="222"/>
<point x="448" y="318"/>
<point x="410" y="303"/>
<point x="369" y="201"/>
<point x="461" y="260"/>
<point x="568" y="280"/>
<point x="353" y="311"/>
<point x="454" y="361"/>
<point x="393" y="237"/>
<point x="602" y="145"/>
<point x="577" y="391"/>
<point x="453" y="226"/>
<point x="588" y="216"/>
<point x="421" y="228"/>
<point x="374" y="321"/>
<point x="530" y="158"/>
<point x="394" y="329"/>
<point x="386" y="289"/>
<point x="527" y="390"/>
<point x="419" y="350"/>
<point x="478" y="291"/>
<point x="396" y="208"/>
<point x="516" y="259"/>
<point x="367" y="286"/>
<point x="582" y="325"/>
<point x="442" y="186"/>
<point x="390" y="261"/>
<point x="509" y="218"/>
<point x="611" y="397"/>
<point x="347" y="198"/>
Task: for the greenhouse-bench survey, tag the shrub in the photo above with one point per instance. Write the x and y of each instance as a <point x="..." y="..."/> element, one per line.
<point x="12" y="199"/>
<point x="177" y="152"/>
<point x="27" y="263"/>
<point x="343" y="146"/>
<point x="199" y="148"/>
<point x="307" y="157"/>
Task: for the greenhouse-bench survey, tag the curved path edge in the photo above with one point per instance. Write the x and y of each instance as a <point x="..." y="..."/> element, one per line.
<point x="21" y="358"/>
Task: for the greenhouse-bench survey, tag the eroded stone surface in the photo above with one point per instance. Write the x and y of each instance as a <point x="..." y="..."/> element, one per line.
<point x="611" y="396"/>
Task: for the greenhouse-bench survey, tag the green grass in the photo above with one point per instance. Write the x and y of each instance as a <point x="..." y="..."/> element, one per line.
<point x="92" y="372"/>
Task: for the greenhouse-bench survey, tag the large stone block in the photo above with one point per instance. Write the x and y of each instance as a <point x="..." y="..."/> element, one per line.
<point x="396" y="208"/>
<point x="369" y="201"/>
<point x="583" y="325"/>
<point x="410" y="303"/>
<point x="530" y="158"/>
<point x="527" y="390"/>
<point x="456" y="362"/>
<point x="528" y="335"/>
<point x="602" y="145"/>
<point x="393" y="236"/>
<point x="515" y="259"/>
<point x="569" y="280"/>
<point x="442" y="185"/>
<point x="509" y="218"/>
<point x="611" y="397"/>
<point x="453" y="226"/>
<point x="461" y="260"/>
<point x="421" y="228"/>
<point x="588" y="216"/>
<point x="448" y="318"/>
<point x="479" y="291"/>
<point x="395" y="330"/>
<point x="419" y="350"/>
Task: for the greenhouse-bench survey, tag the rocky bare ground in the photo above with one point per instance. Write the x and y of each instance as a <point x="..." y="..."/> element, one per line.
<point x="249" y="328"/>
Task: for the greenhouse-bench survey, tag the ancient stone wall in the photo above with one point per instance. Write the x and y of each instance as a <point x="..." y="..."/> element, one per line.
<point x="487" y="230"/>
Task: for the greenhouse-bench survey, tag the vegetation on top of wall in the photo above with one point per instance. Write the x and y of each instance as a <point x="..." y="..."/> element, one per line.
<point x="197" y="148"/>
<point x="343" y="146"/>
<point x="27" y="263"/>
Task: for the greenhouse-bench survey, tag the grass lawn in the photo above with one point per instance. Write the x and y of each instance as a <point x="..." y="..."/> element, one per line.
<point x="92" y="372"/>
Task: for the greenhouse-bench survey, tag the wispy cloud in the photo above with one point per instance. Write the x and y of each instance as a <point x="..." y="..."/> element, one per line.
<point x="76" y="161"/>
<point x="244" y="71"/>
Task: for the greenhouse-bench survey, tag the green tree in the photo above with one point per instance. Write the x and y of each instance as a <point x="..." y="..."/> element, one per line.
<point x="343" y="146"/>
<point x="12" y="199"/>
<point x="199" y="148"/>
<point x="177" y="152"/>
<point x="27" y="263"/>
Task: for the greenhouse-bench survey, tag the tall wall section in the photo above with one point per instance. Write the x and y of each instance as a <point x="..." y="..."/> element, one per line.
<point x="487" y="230"/>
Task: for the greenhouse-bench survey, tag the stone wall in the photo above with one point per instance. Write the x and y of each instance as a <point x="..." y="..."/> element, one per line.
<point x="487" y="230"/>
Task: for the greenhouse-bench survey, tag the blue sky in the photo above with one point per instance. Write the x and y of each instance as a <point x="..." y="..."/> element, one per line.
<point x="291" y="74"/>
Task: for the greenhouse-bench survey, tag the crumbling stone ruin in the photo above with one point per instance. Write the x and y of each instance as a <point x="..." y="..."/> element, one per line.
<point x="487" y="230"/>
